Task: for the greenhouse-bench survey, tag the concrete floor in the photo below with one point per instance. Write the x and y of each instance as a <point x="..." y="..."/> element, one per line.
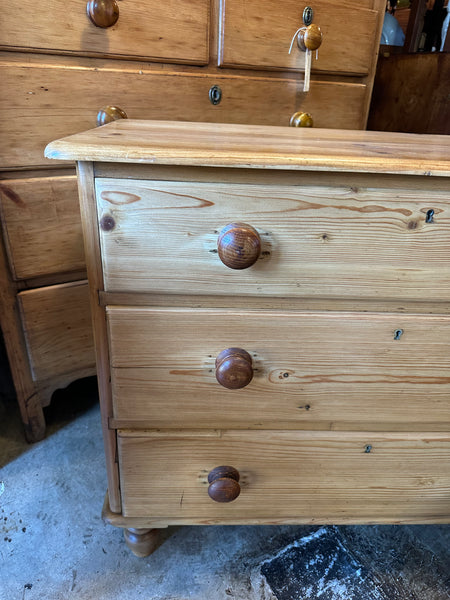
<point x="54" y="546"/>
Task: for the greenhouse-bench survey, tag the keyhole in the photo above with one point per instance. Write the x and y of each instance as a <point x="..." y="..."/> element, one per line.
<point x="430" y="215"/>
<point x="308" y="16"/>
<point x="215" y="94"/>
<point x="398" y="334"/>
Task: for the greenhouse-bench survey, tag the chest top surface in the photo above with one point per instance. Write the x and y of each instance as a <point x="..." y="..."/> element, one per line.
<point x="260" y="147"/>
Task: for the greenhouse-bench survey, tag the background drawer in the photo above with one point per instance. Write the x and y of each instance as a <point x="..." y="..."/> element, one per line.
<point x="256" y="37"/>
<point x="58" y="331"/>
<point x="174" y="30"/>
<point x="298" y="476"/>
<point x="343" y="241"/>
<point x="311" y="370"/>
<point x="39" y="90"/>
<point x="41" y="225"/>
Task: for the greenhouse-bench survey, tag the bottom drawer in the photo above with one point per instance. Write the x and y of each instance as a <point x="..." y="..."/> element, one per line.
<point x="287" y="476"/>
<point x="58" y="331"/>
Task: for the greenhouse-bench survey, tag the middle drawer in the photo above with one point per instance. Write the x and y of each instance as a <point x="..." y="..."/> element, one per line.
<point x="309" y="370"/>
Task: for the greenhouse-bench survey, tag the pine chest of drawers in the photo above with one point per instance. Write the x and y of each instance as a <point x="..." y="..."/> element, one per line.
<point x="272" y="323"/>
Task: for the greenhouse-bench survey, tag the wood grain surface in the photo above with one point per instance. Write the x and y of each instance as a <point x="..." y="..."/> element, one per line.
<point x="173" y="31"/>
<point x="261" y="303"/>
<point x="317" y="241"/>
<point x="85" y="173"/>
<point x="38" y="109"/>
<point x="309" y="368"/>
<point x="381" y="380"/>
<point x="28" y="398"/>
<point x="243" y="146"/>
<point x="58" y="330"/>
<point x="42" y="228"/>
<point x="311" y="477"/>
<point x="264" y="42"/>
<point x="411" y="93"/>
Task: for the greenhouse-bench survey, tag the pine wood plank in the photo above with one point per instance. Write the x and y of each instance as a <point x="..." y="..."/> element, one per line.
<point x="119" y="520"/>
<point x="260" y="303"/>
<point x="85" y="173"/>
<point x="303" y="476"/>
<point x="243" y="146"/>
<point x="317" y="241"/>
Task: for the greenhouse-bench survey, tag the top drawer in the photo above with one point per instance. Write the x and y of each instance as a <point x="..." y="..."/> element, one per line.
<point x="173" y="31"/>
<point x="355" y="239"/>
<point x="255" y="37"/>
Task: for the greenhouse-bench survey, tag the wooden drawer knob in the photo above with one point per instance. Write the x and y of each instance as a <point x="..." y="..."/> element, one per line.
<point x="224" y="484"/>
<point x="238" y="245"/>
<point x="301" y="119"/>
<point x="310" y="38"/>
<point x="103" y="13"/>
<point x="234" y="368"/>
<point x="110" y="114"/>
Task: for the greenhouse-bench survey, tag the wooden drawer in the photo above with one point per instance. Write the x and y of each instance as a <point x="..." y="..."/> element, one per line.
<point x="310" y="370"/>
<point x="41" y="225"/>
<point x="39" y="91"/>
<point x="300" y="477"/>
<point x="357" y="238"/>
<point x="174" y="30"/>
<point x="58" y="331"/>
<point x="264" y="40"/>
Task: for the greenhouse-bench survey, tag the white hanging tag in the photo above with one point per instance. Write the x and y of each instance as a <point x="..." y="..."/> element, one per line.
<point x="307" y="71"/>
<point x="308" y="57"/>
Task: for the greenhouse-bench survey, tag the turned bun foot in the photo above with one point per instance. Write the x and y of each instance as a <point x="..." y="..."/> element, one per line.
<point x="143" y="542"/>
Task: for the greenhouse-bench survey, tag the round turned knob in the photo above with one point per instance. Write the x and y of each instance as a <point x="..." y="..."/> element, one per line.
<point x="234" y="368"/>
<point x="110" y="114"/>
<point x="103" y="13"/>
<point x="301" y="119"/>
<point x="310" y="38"/>
<point x="224" y="484"/>
<point x="239" y="245"/>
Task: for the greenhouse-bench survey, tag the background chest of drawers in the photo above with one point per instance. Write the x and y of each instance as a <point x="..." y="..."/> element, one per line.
<point x="158" y="60"/>
<point x="309" y="385"/>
